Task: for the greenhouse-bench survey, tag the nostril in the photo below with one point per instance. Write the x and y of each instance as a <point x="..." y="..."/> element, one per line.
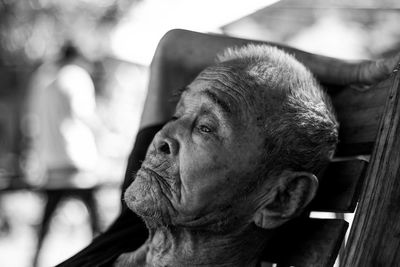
<point x="164" y="147"/>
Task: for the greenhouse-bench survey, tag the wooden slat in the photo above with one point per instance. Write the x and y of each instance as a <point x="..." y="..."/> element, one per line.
<point x="340" y="186"/>
<point x="309" y="242"/>
<point x="374" y="238"/>
<point x="359" y="111"/>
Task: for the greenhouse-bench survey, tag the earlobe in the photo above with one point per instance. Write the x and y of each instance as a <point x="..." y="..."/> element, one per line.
<point x="291" y="194"/>
<point x="267" y="219"/>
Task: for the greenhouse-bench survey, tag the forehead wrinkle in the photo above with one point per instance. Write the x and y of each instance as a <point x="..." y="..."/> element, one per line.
<point x="230" y="79"/>
<point x="235" y="91"/>
<point x="227" y="78"/>
<point x="219" y="101"/>
<point x="236" y="96"/>
<point x="225" y="105"/>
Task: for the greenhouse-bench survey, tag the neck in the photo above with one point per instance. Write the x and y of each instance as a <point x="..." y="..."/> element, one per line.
<point x="186" y="247"/>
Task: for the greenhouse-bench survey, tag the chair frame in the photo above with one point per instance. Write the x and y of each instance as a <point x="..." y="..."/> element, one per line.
<point x="374" y="236"/>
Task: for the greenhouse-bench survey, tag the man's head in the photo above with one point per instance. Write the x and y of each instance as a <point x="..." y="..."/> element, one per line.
<point x="248" y="135"/>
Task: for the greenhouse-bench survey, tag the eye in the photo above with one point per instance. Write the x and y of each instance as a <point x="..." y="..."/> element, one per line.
<point x="204" y="129"/>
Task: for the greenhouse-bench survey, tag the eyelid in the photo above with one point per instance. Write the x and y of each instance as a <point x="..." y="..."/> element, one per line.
<point x="206" y="122"/>
<point x="209" y="131"/>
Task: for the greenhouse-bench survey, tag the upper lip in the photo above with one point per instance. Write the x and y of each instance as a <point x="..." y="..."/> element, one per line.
<point x="157" y="167"/>
<point x="149" y="169"/>
<point x="162" y="181"/>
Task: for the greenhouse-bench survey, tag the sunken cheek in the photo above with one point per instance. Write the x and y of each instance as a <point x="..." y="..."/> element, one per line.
<point x="202" y="157"/>
<point x="203" y="167"/>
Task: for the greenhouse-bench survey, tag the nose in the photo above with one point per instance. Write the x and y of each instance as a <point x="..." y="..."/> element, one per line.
<point x="165" y="144"/>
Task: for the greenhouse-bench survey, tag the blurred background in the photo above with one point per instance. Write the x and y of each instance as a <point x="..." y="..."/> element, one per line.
<point x="115" y="40"/>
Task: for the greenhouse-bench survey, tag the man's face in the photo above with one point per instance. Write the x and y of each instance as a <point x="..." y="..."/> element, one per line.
<point x="199" y="164"/>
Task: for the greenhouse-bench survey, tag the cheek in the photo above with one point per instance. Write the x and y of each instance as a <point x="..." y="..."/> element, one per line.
<point x="205" y="179"/>
<point x="198" y="166"/>
<point x="212" y="175"/>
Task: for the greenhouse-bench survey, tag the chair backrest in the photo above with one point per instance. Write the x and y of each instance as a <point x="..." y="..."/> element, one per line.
<point x="365" y="131"/>
<point x="316" y="242"/>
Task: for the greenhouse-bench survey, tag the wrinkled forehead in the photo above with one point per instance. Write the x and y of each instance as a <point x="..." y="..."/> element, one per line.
<point x="229" y="85"/>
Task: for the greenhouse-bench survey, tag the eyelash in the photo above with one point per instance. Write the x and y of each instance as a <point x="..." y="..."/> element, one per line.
<point x="201" y="127"/>
<point x="204" y="129"/>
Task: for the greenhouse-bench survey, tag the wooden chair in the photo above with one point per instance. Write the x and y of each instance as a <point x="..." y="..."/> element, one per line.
<point x="316" y="242"/>
<point x="369" y="121"/>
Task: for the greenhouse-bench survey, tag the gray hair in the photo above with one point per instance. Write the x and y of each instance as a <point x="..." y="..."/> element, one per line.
<point x="301" y="131"/>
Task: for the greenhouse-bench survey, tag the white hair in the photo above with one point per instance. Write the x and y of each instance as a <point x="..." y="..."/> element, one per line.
<point x="304" y="132"/>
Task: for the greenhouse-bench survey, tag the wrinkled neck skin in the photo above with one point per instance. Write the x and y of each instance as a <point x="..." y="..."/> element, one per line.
<point x="185" y="247"/>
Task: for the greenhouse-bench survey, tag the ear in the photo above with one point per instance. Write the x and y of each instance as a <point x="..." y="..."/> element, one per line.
<point x="288" y="198"/>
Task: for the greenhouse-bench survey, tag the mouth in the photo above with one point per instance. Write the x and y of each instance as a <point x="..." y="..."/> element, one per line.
<point x="161" y="169"/>
<point x="162" y="182"/>
<point x="152" y="173"/>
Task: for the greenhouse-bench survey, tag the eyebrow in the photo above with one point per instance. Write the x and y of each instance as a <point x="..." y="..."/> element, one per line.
<point x="218" y="101"/>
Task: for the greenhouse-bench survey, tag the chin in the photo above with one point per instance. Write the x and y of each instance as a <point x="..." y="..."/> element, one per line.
<point x="143" y="198"/>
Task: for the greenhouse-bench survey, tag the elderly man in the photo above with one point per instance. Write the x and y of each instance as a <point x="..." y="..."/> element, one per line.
<point x="238" y="159"/>
<point x="238" y="156"/>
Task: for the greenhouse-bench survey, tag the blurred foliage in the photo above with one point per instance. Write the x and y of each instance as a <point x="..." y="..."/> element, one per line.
<point x="32" y="30"/>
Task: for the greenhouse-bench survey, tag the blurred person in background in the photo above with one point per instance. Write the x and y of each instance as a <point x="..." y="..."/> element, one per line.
<point x="62" y="124"/>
